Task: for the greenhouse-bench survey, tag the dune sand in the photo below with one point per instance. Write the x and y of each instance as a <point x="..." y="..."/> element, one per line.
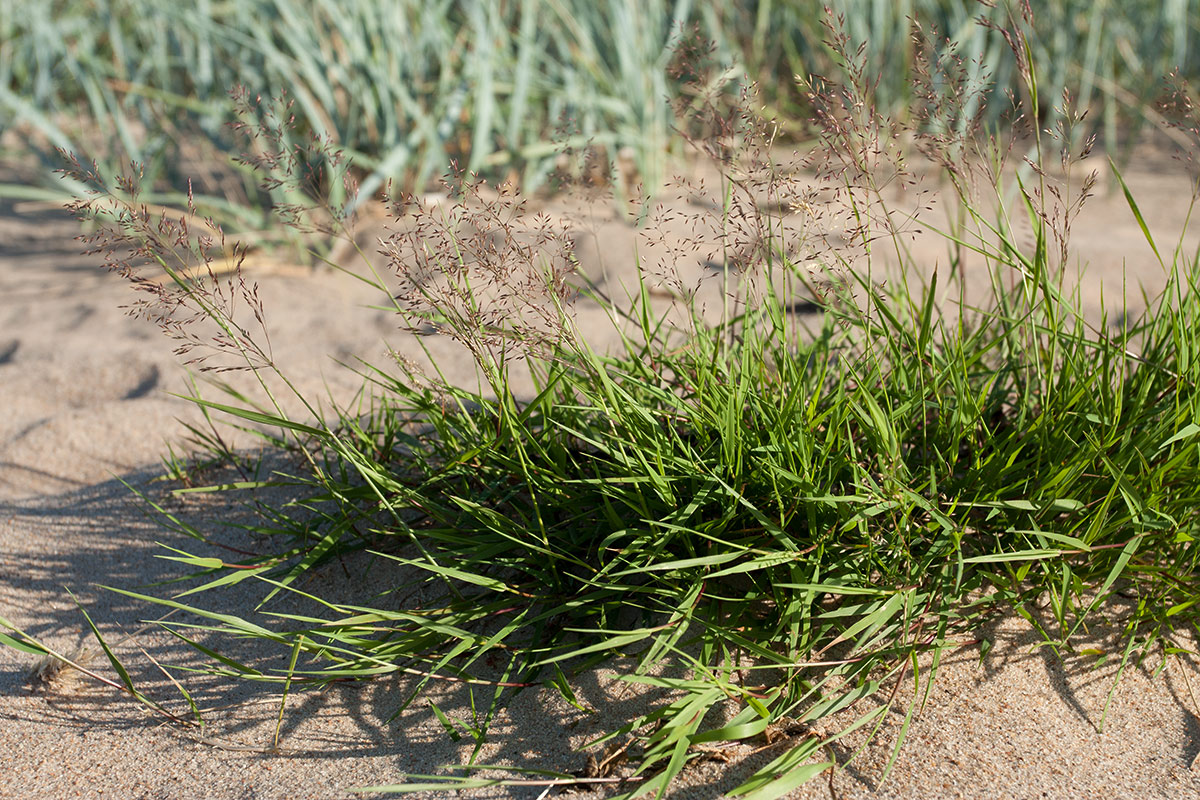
<point x="86" y="407"/>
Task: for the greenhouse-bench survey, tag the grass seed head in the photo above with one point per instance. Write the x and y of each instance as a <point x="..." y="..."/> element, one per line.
<point x="51" y="674"/>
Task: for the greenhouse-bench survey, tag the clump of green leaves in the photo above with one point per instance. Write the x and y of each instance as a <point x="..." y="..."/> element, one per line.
<point x="401" y="87"/>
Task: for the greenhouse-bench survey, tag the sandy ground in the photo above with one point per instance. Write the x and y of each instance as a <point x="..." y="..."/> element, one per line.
<point x="86" y="408"/>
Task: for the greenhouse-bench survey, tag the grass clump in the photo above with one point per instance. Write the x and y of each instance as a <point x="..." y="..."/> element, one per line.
<point x="401" y="87"/>
<point x="772" y="520"/>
